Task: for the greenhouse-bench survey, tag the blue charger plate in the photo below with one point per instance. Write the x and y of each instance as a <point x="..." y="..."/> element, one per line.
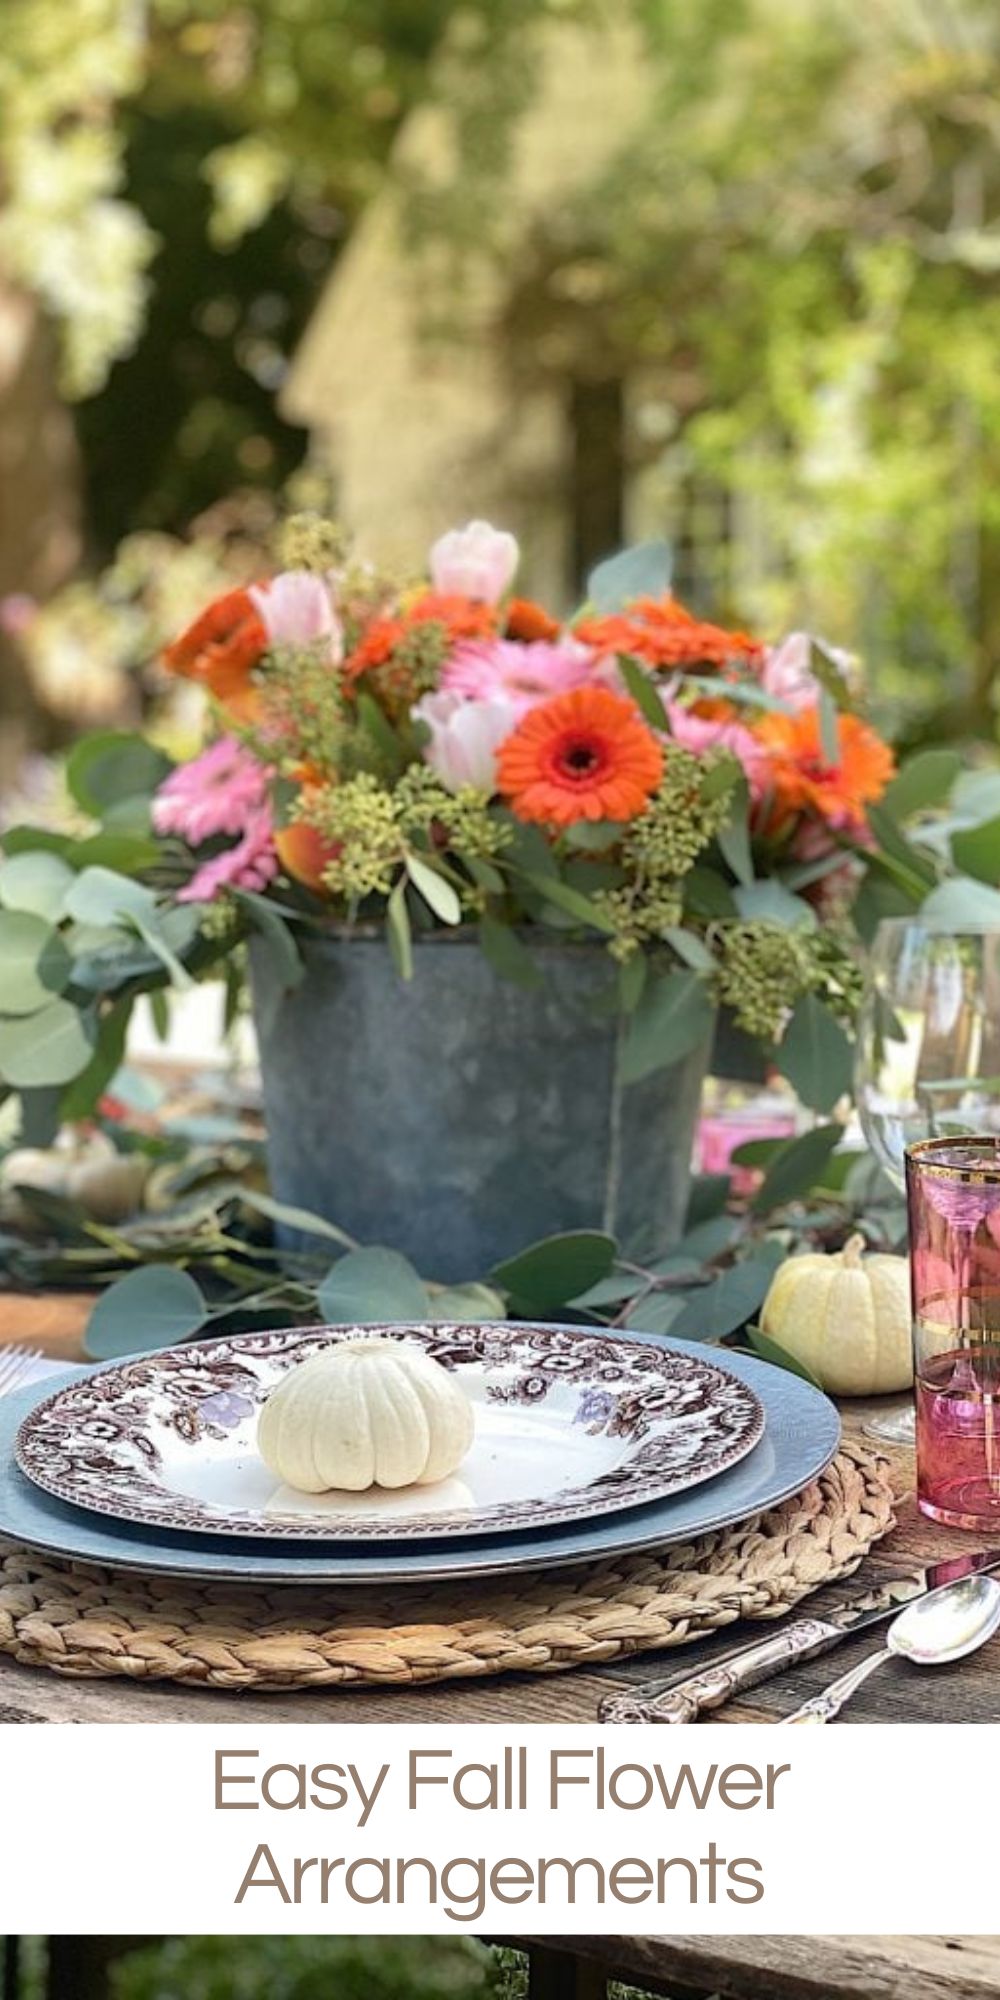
<point x="801" y="1435"/>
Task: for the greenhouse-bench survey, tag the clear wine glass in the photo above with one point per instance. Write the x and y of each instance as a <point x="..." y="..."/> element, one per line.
<point x="928" y="1052"/>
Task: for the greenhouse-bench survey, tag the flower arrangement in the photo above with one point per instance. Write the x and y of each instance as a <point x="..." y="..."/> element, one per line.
<point x="446" y="752"/>
<point x="713" y="814"/>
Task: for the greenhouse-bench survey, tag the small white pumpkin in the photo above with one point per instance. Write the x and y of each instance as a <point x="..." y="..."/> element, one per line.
<point x="846" y="1317"/>
<point x="365" y="1413"/>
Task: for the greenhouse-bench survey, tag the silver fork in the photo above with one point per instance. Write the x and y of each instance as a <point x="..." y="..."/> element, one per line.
<point x="15" y="1364"/>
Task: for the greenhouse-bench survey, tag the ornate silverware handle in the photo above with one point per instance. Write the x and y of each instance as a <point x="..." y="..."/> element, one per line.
<point x="686" y="1700"/>
<point x="826" y="1707"/>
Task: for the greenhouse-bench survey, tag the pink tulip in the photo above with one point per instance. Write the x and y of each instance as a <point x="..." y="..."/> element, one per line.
<point x="465" y="737"/>
<point x="476" y="561"/>
<point x="297" y="610"/>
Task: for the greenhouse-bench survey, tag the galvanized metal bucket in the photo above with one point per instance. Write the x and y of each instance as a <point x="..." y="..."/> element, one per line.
<point x="458" y="1117"/>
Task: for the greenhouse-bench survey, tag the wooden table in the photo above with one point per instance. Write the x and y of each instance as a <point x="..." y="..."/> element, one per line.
<point x="767" y="1968"/>
<point x="966" y="1692"/>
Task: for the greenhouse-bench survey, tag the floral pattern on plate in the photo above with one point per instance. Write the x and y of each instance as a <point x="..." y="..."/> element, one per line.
<point x="569" y="1424"/>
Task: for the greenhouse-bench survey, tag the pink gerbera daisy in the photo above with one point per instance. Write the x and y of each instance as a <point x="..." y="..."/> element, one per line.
<point x="251" y="864"/>
<point x="522" y="674"/>
<point x="215" y="793"/>
<point x="701" y="733"/>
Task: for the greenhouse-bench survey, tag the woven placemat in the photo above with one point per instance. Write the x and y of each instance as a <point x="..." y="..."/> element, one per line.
<point x="84" y="1621"/>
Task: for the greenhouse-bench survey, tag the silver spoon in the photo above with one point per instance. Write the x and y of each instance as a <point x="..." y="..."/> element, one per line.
<point x="945" y="1625"/>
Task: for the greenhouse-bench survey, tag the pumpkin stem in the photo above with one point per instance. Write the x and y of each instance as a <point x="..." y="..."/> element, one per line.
<point x="852" y="1251"/>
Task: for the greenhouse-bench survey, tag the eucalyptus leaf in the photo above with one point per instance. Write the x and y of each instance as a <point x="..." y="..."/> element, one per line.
<point x="707" y="1198"/>
<point x="748" y="692"/>
<point x="771" y="903"/>
<point x="34" y="962"/>
<point x="675" y="1015"/>
<point x="36" y="883"/>
<point x="102" y="896"/>
<point x="508" y="954"/>
<point x="80" y="1097"/>
<point x="770" y="1350"/>
<point x="976" y="796"/>
<point x="924" y="780"/>
<point x="711" y="1237"/>
<point x="643" y="571"/>
<point x="643" y="691"/>
<point x="437" y="893"/>
<point x="816" y="1055"/>
<point x="157" y="932"/>
<point x="797" y="1167"/>
<point x="707" y="895"/>
<point x="632" y="974"/>
<point x="276" y="938"/>
<point x="398" y="930"/>
<point x="106" y="959"/>
<point x="734" y="838"/>
<point x="527" y="849"/>
<point x="573" y="902"/>
<point x="155" y="1306"/>
<point x="658" y="1312"/>
<point x="50" y="1047"/>
<point x="718" y="1309"/>
<point x="593" y="836"/>
<point x="829" y="728"/>
<point x="976" y="850"/>
<point x="372" y="1284"/>
<point x="286" y="1212"/>
<point x="123" y="853"/>
<point x="34" y="840"/>
<point x="756" y="1153"/>
<point x="961" y="904"/>
<point x="558" y="1268"/>
<point x="484" y="874"/>
<point x="110" y="766"/>
<point x="919" y="867"/>
<point x="690" y="948"/>
<point x="610" y="1291"/>
<point x="467" y="1302"/>
<point x="379" y="729"/>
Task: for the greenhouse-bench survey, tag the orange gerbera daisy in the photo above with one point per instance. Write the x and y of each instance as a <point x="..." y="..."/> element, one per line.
<point x="527" y="620"/>
<point x="803" y="777"/>
<point x="462" y="617"/>
<point x="377" y="644"/>
<point x="459" y="617"/>
<point x="660" y="631"/>
<point x="222" y="647"/>
<point x="586" y="754"/>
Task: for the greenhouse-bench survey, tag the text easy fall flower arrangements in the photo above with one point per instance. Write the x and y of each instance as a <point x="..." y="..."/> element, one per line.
<point x="447" y="753"/>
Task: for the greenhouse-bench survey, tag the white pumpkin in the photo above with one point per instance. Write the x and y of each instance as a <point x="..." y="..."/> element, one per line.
<point x="846" y="1317"/>
<point x="365" y="1413"/>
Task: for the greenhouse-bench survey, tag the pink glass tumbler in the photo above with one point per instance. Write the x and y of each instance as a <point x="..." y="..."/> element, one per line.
<point x="953" y="1195"/>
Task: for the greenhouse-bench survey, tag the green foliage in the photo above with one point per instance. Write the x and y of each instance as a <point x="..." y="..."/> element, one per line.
<point x="816" y="1055"/>
<point x="643" y="571"/>
<point x="549" y="1273"/>
<point x="309" y="1968"/>
<point x="674" y="1015"/>
<point x="371" y="1284"/>
<point x="796" y="1167"/>
<point x="206" y="1256"/>
<point x="155" y="1306"/>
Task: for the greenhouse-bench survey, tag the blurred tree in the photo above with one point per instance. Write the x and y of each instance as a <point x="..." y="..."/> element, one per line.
<point x="174" y="182"/>
<point x="796" y="256"/>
